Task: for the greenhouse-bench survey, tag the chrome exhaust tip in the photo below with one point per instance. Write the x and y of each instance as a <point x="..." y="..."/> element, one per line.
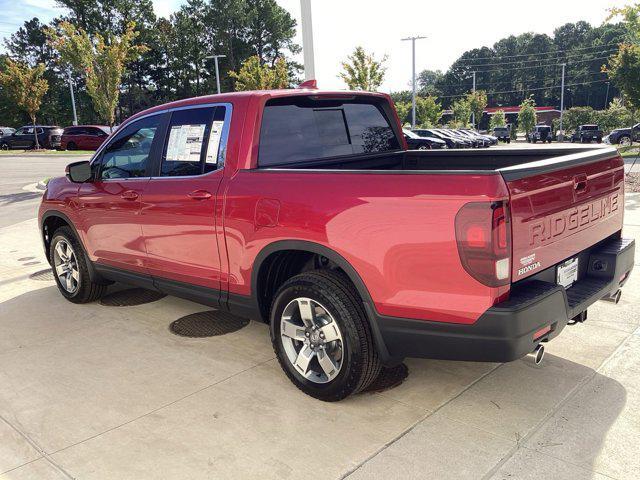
<point x="537" y="354"/>
<point x="613" y="298"/>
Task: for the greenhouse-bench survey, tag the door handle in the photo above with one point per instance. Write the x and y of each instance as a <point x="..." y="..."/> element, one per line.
<point x="130" y="195"/>
<point x="200" y="195"/>
<point x="580" y="183"/>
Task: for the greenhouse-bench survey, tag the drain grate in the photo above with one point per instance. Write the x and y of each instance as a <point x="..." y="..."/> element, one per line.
<point x="207" y="324"/>
<point x="43" y="275"/>
<point x="131" y="297"/>
<point x="389" y="378"/>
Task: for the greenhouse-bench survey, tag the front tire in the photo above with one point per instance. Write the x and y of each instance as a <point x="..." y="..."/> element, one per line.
<point x="71" y="146"/>
<point x="70" y="268"/>
<point x="321" y="336"/>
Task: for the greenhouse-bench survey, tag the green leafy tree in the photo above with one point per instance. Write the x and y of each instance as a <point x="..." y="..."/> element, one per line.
<point x="362" y="71"/>
<point x="26" y="86"/>
<point x="624" y="71"/>
<point x="428" y="82"/>
<point x="461" y="112"/>
<point x="576" y="116"/>
<point x="255" y="76"/>
<point x="527" y="117"/>
<point x="498" y="119"/>
<point x="404" y="112"/>
<point x="101" y="61"/>
<point x="615" y="116"/>
<point x="477" y="102"/>
<point x="428" y="111"/>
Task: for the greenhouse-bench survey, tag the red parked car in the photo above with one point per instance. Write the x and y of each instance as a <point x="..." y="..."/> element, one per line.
<point x="84" y="137"/>
<point x="304" y="209"/>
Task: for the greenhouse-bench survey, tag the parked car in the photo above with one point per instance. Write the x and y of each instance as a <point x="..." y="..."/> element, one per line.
<point x="624" y="136"/>
<point x="6" y="131"/>
<point x="356" y="251"/>
<point x="468" y="143"/>
<point x="540" y="133"/>
<point x="416" y="142"/>
<point x="24" y="138"/>
<point x="503" y="134"/>
<point x="451" y="141"/>
<point x="84" y="137"/>
<point x="587" y="134"/>
<point x="482" y="140"/>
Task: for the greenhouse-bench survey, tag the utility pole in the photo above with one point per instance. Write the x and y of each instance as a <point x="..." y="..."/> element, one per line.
<point x="307" y="40"/>
<point x="73" y="100"/>
<point x="606" y="99"/>
<point x="215" y="59"/>
<point x="413" y="77"/>
<point x="473" y="115"/>
<point x="562" y="102"/>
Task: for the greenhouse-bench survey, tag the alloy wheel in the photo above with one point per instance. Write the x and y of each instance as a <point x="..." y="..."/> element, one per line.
<point x="65" y="264"/>
<point x="312" y="340"/>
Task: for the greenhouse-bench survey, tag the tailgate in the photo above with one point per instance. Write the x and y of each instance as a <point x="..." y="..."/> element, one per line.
<point x="563" y="205"/>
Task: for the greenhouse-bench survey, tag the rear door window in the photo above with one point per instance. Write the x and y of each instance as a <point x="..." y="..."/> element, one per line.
<point x="298" y="128"/>
<point x="193" y="143"/>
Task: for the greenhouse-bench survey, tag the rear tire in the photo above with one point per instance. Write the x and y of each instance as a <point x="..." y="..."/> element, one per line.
<point x="625" y="140"/>
<point x="70" y="268"/>
<point x="71" y="146"/>
<point x="332" y="302"/>
<point x="4" y="146"/>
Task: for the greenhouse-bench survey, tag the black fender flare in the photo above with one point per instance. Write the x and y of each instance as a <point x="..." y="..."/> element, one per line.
<point x="93" y="274"/>
<point x="339" y="260"/>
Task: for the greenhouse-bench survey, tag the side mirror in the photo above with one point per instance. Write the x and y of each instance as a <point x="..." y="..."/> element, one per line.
<point x="79" y="172"/>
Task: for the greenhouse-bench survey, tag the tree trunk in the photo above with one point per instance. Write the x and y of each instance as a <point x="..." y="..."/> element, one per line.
<point x="35" y="133"/>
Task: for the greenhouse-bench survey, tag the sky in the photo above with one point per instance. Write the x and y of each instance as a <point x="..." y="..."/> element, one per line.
<point x="339" y="26"/>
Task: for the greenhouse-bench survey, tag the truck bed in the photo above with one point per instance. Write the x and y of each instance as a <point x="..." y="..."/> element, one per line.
<point x="512" y="163"/>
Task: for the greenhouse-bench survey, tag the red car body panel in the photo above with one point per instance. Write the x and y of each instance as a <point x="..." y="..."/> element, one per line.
<point x="84" y="141"/>
<point x="397" y="231"/>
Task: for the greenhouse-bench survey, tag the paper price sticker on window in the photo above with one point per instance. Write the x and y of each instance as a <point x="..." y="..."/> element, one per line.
<point x="214" y="141"/>
<point x="185" y="143"/>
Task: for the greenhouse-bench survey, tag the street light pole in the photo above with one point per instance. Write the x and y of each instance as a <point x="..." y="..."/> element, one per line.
<point x="73" y="100"/>
<point x="307" y="40"/>
<point x="215" y="59"/>
<point x="606" y="99"/>
<point x="473" y="115"/>
<point x="562" y="102"/>
<point x="413" y="77"/>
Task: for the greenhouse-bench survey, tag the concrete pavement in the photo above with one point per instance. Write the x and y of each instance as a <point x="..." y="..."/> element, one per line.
<point x="95" y="392"/>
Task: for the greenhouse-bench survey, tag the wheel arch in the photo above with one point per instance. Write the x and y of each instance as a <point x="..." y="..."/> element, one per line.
<point x="313" y="249"/>
<point x="52" y="220"/>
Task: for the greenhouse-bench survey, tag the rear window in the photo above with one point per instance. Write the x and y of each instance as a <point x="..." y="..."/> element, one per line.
<point x="589" y="127"/>
<point x="299" y="128"/>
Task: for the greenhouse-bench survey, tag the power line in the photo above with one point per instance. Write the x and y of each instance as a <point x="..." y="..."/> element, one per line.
<point x="493" y="84"/>
<point x="572" y="50"/>
<point x="541" y="66"/>
<point x="609" y="51"/>
<point x="527" y="89"/>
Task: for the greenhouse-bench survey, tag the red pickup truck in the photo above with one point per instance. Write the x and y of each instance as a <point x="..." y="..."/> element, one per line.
<point x="304" y="209"/>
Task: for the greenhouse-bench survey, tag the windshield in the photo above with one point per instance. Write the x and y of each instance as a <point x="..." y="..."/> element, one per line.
<point x="409" y="133"/>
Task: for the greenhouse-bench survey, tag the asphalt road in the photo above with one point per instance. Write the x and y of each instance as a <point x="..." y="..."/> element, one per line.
<point x="16" y="171"/>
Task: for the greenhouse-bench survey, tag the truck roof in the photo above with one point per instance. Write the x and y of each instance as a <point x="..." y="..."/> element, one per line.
<point x="262" y="94"/>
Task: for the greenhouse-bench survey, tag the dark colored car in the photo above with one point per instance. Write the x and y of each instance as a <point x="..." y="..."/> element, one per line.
<point x="451" y="141"/>
<point x="305" y="209"/>
<point x="416" y="142"/>
<point x="503" y="134"/>
<point x="6" y="131"/>
<point x="540" y="133"/>
<point x="587" y="134"/>
<point x="624" y="136"/>
<point x="84" y="137"/>
<point x="24" y="138"/>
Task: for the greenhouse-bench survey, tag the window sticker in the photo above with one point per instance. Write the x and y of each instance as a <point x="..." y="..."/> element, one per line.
<point x="214" y="141"/>
<point x="185" y="143"/>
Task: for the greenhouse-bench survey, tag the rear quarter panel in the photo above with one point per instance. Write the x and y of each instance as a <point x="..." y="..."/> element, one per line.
<point x="396" y="230"/>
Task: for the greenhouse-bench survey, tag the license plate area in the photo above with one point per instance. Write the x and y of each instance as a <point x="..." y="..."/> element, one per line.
<point x="567" y="273"/>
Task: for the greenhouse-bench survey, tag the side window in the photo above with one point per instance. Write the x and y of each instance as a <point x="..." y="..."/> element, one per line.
<point x="193" y="142"/>
<point x="127" y="156"/>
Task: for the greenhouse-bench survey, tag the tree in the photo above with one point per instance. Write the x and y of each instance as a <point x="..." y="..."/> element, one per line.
<point x="498" y="119"/>
<point x="255" y="76"/>
<point x="477" y="102"/>
<point x="362" y="71"/>
<point x="404" y="112"/>
<point x="428" y="81"/>
<point x="624" y="71"/>
<point x="577" y="116"/>
<point x="101" y="60"/>
<point x="26" y="87"/>
<point x="428" y="111"/>
<point x="461" y="112"/>
<point x="615" y="116"/>
<point x="527" y="115"/>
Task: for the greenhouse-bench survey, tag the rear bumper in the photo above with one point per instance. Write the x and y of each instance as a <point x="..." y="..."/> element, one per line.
<point x="506" y="331"/>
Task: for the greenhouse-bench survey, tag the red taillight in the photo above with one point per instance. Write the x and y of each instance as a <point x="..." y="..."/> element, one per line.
<point x="484" y="242"/>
